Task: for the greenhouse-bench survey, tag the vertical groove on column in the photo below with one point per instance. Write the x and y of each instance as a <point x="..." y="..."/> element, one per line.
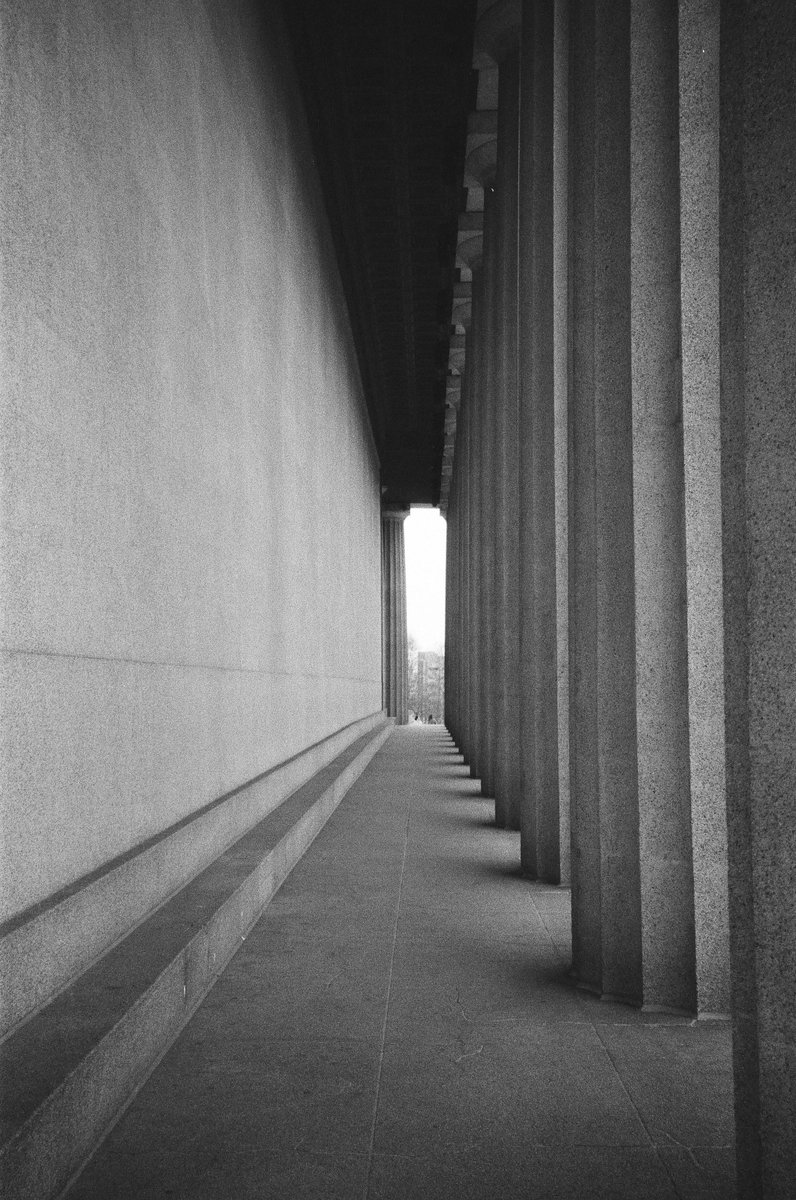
<point x="561" y="409"/>
<point x="506" y="475"/>
<point x="699" y="192"/>
<point x="667" y="882"/>
<point x="396" y="650"/>
<point x="466" y="480"/>
<point x="605" y="836"/>
<point x="540" y="833"/>
<point x="758" y="367"/>
<point x="487" y="386"/>
<point x="462" y="450"/>
<point x="474" y="403"/>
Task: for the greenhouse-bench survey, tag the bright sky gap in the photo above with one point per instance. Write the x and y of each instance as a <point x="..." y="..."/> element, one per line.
<point x="424" y="535"/>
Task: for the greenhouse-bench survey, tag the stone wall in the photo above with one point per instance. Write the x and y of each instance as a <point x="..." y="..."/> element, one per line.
<point x="191" y="532"/>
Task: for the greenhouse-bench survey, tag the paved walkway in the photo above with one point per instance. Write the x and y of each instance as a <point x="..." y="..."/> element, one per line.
<point x="400" y="1024"/>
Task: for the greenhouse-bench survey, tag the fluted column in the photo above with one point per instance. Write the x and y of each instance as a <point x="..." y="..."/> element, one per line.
<point x="469" y="257"/>
<point x="667" y="880"/>
<point x="485" y="384"/>
<point x="463" y="455"/>
<point x="451" y="607"/>
<point x="395" y="649"/>
<point x="561" y="406"/>
<point x="758" y="419"/>
<point x="646" y="789"/>
<point x="505" y="650"/>
<point x="470" y="254"/>
<point x="699" y="222"/>
<point x="539" y="809"/>
<point x="497" y="50"/>
<point x="606" y="885"/>
<point x="474" y="542"/>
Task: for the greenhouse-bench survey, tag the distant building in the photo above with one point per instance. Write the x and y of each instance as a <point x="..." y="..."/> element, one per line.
<point x="430" y="685"/>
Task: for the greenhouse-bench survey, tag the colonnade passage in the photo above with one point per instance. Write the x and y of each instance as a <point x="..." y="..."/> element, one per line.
<point x="620" y="492"/>
<point x="399" y="1025"/>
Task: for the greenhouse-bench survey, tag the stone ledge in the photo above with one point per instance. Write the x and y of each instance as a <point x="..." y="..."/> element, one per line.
<point x="43" y="951"/>
<point x="71" y="1070"/>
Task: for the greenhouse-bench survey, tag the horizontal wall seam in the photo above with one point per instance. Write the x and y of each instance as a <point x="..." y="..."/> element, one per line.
<point x="181" y="666"/>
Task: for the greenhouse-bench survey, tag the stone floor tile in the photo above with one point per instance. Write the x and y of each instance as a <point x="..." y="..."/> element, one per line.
<point x="680" y="1079"/>
<point x="529" y="1172"/>
<point x="702" y="1174"/>
<point x="223" y="1105"/>
<point x="209" y="1171"/>
<point x="435" y="992"/>
<point x="302" y="918"/>
<point x="327" y="990"/>
<point x="550" y="1084"/>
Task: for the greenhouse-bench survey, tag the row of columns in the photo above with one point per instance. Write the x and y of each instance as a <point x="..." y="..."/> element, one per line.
<point x="620" y="490"/>
<point x="394" y="637"/>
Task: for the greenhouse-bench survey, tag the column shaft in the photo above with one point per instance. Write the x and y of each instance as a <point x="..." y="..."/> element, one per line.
<point x="606" y="896"/>
<point x="664" y="796"/>
<point x="758" y="417"/>
<point x="395" y="652"/>
<point x="463" y="451"/>
<point x="561" y="406"/>
<point x="486" y="421"/>
<point x="451" y="606"/>
<point x="475" y="401"/>
<point x="506" y="476"/>
<point x="699" y="220"/>
<point x="540" y="831"/>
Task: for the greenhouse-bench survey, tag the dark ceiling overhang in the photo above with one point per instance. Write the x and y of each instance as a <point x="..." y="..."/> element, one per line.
<point x="388" y="85"/>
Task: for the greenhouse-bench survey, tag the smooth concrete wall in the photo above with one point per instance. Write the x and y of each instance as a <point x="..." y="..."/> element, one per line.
<point x="190" y="554"/>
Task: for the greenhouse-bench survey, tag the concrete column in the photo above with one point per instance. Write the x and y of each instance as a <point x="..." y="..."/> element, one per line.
<point x="451" y="606"/>
<point x="497" y="46"/>
<point x="456" y="621"/>
<point x="562" y="438"/>
<point x="606" y="885"/>
<point x="475" y="454"/>
<point x="644" y="671"/>
<point x="485" y="383"/>
<point x="395" y="650"/>
<point x="462" y="313"/>
<point x="667" y="882"/>
<point x="758" y="427"/>
<point x="540" y="820"/>
<point x="457" y="582"/>
<point x="463" y="451"/>
<point x="506" y="684"/>
<point x="699" y="288"/>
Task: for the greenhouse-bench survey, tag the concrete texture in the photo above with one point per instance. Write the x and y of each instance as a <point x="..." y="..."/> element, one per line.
<point x="470" y="747"/>
<point x="487" y="682"/>
<point x="459" y="582"/>
<point x="400" y="1024"/>
<point x="70" y="1071"/>
<point x="395" y="645"/>
<point x="699" y="289"/>
<point x="662" y="733"/>
<point x="190" y="554"/>
<point x="41" y="954"/>
<point x="476" y="401"/>
<point x="561" y="434"/>
<point x="539" y="663"/>
<point x="506" y="475"/>
<point x="758" y="308"/>
<point x="606" y="885"/>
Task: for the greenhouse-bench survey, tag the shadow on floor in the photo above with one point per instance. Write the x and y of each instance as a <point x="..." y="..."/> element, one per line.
<point x="400" y="1024"/>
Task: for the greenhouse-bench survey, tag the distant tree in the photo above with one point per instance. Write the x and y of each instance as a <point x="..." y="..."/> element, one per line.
<point x="413" y="700"/>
